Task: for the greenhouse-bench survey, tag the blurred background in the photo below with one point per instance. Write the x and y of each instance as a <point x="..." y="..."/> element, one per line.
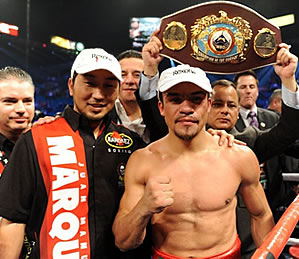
<point x="105" y="24"/>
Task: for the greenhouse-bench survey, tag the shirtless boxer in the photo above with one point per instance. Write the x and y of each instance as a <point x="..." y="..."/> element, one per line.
<point x="185" y="184"/>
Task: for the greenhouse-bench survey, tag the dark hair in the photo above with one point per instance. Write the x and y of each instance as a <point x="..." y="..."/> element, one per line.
<point x="226" y="83"/>
<point x="276" y="94"/>
<point x="74" y="76"/>
<point x="223" y="82"/>
<point x="160" y="96"/>
<point x="17" y="73"/>
<point x="130" y="53"/>
<point x="245" y="73"/>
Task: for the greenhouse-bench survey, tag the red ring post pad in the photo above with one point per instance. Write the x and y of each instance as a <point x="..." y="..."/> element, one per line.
<point x="219" y="37"/>
<point x="278" y="237"/>
<point x="294" y="251"/>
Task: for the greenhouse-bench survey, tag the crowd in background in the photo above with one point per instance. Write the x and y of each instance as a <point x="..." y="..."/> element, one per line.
<point x="52" y="96"/>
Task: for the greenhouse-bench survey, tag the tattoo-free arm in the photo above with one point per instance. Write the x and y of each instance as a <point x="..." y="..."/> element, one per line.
<point x="254" y="197"/>
<point x="129" y="227"/>
<point x="11" y="239"/>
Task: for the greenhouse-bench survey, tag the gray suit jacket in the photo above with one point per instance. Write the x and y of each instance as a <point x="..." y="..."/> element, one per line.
<point x="268" y="143"/>
<point x="266" y="118"/>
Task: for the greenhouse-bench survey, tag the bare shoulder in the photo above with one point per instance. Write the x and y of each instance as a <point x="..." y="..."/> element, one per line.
<point x="243" y="151"/>
<point x="245" y="162"/>
<point x="142" y="161"/>
<point x="151" y="151"/>
<point x="235" y="154"/>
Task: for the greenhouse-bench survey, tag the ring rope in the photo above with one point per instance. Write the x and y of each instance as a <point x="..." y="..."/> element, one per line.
<point x="278" y="237"/>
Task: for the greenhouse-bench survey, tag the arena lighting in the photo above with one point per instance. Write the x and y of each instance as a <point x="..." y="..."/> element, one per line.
<point x="62" y="42"/>
<point x="283" y="20"/>
<point x="79" y="46"/>
<point x="9" y="29"/>
<point x="67" y="44"/>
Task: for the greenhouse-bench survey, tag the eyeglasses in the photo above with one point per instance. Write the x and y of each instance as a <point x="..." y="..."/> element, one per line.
<point x="176" y="98"/>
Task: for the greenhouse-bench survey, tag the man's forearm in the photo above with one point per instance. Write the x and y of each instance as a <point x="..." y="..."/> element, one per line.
<point x="130" y="229"/>
<point x="148" y="86"/>
<point x="290" y="95"/>
<point x="260" y="227"/>
<point x="11" y="239"/>
<point x="290" y="83"/>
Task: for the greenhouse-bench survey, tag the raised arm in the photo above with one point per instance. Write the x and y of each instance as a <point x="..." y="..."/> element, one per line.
<point x="274" y="141"/>
<point x="254" y="197"/>
<point x="150" y="75"/>
<point x="147" y="94"/>
<point x="285" y="68"/>
<point x="144" y="195"/>
<point x="11" y="239"/>
<point x="151" y="55"/>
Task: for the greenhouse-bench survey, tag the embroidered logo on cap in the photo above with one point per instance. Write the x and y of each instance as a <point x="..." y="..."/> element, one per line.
<point x="96" y="56"/>
<point x="176" y="72"/>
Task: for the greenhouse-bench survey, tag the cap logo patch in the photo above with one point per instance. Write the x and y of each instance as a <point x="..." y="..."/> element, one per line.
<point x="176" y="72"/>
<point x="100" y="56"/>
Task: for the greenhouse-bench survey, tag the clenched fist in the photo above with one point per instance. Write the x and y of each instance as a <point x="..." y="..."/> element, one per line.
<point x="158" y="194"/>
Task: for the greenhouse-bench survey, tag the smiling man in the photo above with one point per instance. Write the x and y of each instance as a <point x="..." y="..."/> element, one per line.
<point x="67" y="175"/>
<point x="127" y="111"/>
<point x="16" y="108"/>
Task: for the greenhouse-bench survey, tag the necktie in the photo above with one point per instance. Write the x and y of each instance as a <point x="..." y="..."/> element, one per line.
<point x="253" y="119"/>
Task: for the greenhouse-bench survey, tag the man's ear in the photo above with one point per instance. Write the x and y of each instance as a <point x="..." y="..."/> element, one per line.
<point x="161" y="108"/>
<point x="71" y="86"/>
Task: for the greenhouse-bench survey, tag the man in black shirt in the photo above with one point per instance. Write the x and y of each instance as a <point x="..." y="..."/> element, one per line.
<point x="67" y="175"/>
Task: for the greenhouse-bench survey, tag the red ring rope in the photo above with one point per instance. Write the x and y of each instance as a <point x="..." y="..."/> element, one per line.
<point x="278" y="237"/>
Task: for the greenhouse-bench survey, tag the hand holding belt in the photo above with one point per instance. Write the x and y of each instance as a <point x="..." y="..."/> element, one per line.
<point x="219" y="37"/>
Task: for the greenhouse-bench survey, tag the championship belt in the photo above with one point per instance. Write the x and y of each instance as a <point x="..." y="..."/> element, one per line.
<point x="219" y="37"/>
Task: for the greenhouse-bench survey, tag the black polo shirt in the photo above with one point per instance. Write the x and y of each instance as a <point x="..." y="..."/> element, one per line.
<point x="23" y="197"/>
<point x="6" y="147"/>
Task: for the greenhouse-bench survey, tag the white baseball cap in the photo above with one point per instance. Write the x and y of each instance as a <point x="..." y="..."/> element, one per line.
<point x="93" y="59"/>
<point x="183" y="73"/>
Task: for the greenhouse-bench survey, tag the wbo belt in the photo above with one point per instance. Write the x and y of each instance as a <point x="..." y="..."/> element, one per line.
<point x="219" y="37"/>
